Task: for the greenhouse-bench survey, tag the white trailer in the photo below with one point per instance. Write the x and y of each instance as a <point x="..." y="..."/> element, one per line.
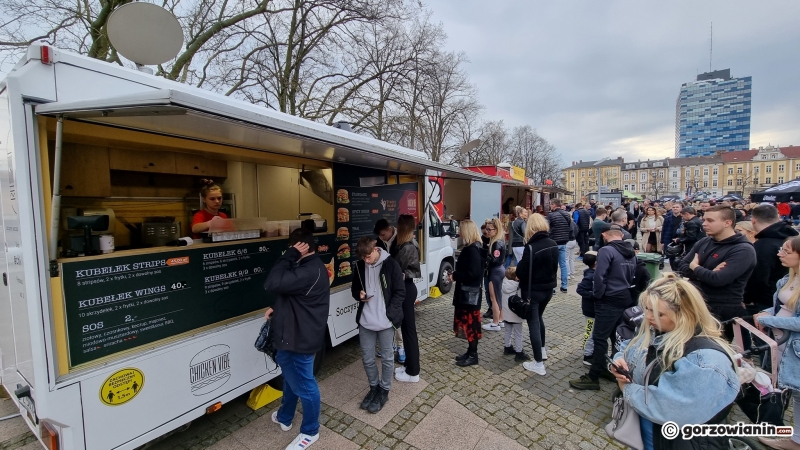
<point x="115" y="371"/>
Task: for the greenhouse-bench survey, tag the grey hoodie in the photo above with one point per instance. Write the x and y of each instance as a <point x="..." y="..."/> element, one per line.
<point x="373" y="316"/>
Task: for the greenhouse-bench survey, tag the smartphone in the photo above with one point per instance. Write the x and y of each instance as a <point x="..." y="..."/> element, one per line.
<point x="368" y="297"/>
<point x="619" y="369"/>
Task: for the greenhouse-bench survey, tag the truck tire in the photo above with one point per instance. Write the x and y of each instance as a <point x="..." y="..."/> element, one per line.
<point x="444" y="283"/>
<point x="277" y="382"/>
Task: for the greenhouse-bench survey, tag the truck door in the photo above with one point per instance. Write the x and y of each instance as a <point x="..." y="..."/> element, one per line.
<point x="485" y="201"/>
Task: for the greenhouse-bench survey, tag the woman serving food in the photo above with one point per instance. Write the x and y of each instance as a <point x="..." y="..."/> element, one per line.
<point x="212" y="201"/>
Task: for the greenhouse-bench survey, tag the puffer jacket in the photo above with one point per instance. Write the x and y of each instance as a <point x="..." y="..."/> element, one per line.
<point x="789" y="366"/>
<point x="510" y="287"/>
<point x="560" y="226"/>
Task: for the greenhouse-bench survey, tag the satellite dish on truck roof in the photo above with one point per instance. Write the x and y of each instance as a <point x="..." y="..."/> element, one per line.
<point x="145" y="33"/>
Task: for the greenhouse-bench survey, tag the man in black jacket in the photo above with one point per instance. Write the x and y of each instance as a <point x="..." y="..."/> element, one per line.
<point x="691" y="230"/>
<point x="614" y="276"/>
<point x="771" y="232"/>
<point x="299" y="323"/>
<point x="720" y="264"/>
<point x="559" y="221"/>
<point x="584" y="225"/>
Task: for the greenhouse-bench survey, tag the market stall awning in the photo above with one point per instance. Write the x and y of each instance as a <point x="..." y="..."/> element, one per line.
<point x="781" y="193"/>
<point x="204" y="116"/>
<point x="628" y="194"/>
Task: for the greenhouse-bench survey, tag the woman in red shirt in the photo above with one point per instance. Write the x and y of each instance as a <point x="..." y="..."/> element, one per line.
<point x="212" y="199"/>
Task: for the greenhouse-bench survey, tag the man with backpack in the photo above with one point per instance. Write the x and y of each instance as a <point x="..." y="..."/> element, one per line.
<point x="561" y="231"/>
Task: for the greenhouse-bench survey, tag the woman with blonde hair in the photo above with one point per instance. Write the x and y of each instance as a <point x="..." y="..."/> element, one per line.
<point x="536" y="272"/>
<point x="745" y="228"/>
<point x="496" y="255"/>
<point x="650" y="226"/>
<point x="681" y="369"/>
<point x="784" y="317"/>
<point x="467" y="296"/>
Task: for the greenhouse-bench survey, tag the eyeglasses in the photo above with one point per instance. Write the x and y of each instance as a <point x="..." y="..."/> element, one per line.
<point x="783" y="251"/>
<point x="491" y="229"/>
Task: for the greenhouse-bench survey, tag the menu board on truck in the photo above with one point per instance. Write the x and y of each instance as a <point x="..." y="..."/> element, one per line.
<point x="115" y="304"/>
<point x="357" y="210"/>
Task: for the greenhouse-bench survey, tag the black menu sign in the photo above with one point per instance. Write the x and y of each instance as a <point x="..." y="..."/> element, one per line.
<point x="357" y="210"/>
<point x="115" y="304"/>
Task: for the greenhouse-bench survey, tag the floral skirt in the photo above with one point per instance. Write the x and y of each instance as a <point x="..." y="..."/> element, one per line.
<point x="467" y="324"/>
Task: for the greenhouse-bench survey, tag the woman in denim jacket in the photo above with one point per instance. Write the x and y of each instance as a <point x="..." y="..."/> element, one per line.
<point x="692" y="381"/>
<point x="784" y="317"/>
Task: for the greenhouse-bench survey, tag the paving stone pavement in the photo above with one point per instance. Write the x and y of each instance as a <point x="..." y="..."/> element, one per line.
<point x="496" y="404"/>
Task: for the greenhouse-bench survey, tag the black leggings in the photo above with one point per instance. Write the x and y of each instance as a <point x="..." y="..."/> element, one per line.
<point x="539" y="300"/>
<point x="409" y="329"/>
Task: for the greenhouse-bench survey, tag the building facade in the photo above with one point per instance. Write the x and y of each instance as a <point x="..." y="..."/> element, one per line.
<point x="712" y="114"/>
<point x="702" y="174"/>
<point x="581" y="177"/>
<point x="645" y="178"/>
<point x="753" y="170"/>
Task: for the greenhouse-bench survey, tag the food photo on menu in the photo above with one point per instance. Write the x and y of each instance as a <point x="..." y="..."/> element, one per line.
<point x="344" y="269"/>
<point x="331" y="275"/>
<point x="342" y="215"/>
<point x="342" y="234"/>
<point x="342" y="196"/>
<point x="343" y="252"/>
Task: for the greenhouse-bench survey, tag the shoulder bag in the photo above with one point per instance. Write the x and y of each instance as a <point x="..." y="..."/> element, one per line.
<point x="522" y="306"/>
<point x="266" y="340"/>
<point x="624" y="426"/>
<point x="470" y="295"/>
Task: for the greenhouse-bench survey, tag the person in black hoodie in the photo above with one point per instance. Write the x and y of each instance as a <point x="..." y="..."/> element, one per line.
<point x="614" y="277"/>
<point x="469" y="273"/>
<point x="642" y="275"/>
<point x="690" y="231"/>
<point x="771" y="233"/>
<point x="299" y="324"/>
<point x="537" y="279"/>
<point x="720" y="264"/>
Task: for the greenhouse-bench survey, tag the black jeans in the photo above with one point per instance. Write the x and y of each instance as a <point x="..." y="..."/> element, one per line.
<point x="583" y="241"/>
<point x="726" y="312"/>
<point x="539" y="300"/>
<point x="409" y="329"/>
<point x="606" y="319"/>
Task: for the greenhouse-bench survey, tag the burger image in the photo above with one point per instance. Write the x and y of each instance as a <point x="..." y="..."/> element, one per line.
<point x="343" y="234"/>
<point x="342" y="215"/>
<point x="342" y="196"/>
<point x="343" y="252"/>
<point x="344" y="269"/>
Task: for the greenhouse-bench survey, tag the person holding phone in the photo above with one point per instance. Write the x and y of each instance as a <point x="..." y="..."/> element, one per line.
<point x="379" y="288"/>
<point x="677" y="367"/>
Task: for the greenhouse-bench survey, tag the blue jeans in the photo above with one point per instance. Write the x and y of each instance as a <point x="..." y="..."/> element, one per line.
<point x="299" y="383"/>
<point x="562" y="263"/>
<point x="647" y="433"/>
<point x="510" y="258"/>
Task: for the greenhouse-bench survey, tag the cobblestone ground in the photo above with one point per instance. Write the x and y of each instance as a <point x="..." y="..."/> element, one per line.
<point x="510" y="407"/>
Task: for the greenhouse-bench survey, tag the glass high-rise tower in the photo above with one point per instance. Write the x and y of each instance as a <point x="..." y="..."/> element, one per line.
<point x="713" y="114"/>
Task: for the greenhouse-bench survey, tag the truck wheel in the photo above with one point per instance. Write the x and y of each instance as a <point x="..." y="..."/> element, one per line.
<point x="445" y="284"/>
<point x="277" y="382"/>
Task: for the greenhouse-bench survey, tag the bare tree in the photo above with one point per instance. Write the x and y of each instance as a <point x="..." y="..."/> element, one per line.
<point x="535" y="154"/>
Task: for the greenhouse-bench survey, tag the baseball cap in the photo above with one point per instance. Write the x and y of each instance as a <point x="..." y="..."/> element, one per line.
<point x="611" y="226"/>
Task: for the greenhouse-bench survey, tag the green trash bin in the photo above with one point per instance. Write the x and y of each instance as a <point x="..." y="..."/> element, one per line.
<point x="652" y="261"/>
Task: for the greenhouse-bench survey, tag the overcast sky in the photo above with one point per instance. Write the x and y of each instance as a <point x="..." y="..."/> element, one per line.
<point x="600" y="78"/>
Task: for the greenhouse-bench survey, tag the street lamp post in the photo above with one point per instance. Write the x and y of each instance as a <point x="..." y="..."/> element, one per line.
<point x="597" y="164"/>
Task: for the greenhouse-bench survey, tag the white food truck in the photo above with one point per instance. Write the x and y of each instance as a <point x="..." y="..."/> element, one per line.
<point x="110" y="336"/>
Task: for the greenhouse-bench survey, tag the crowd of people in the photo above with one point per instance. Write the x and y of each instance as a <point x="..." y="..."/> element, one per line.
<point x="725" y="262"/>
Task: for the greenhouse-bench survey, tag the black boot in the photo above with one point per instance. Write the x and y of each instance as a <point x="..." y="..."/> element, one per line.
<point x="522" y="356"/>
<point x="380" y="399"/>
<point x="508" y="350"/>
<point x="373" y="391"/>
<point x="470" y="360"/>
<point x="488" y="314"/>
<point x="462" y="357"/>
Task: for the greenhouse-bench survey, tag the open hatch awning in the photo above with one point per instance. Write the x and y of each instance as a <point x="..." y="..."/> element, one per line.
<point x="226" y="121"/>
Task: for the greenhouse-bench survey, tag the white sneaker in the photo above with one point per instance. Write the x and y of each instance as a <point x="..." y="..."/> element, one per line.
<point x="535" y="367"/>
<point x="491" y="327"/>
<point x="544" y="353"/>
<point x="502" y="324"/>
<point x="302" y="441"/>
<point x="401" y="369"/>
<point x="283" y="427"/>
<point x="406" y="378"/>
